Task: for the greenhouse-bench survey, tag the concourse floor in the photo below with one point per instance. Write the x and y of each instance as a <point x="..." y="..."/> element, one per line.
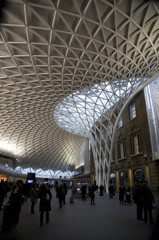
<point x="106" y="220"/>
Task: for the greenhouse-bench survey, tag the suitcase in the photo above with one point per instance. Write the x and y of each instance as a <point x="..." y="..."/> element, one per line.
<point x="7" y="221"/>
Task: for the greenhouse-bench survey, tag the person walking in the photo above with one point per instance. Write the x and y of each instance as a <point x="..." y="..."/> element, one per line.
<point x="138" y="200"/>
<point x="111" y="191"/>
<point x="15" y="200"/>
<point x="92" y="194"/>
<point x="33" y="198"/>
<point x="148" y="201"/>
<point x="73" y="192"/>
<point x="45" y="203"/>
<point x="61" y="195"/>
<point x="121" y="194"/>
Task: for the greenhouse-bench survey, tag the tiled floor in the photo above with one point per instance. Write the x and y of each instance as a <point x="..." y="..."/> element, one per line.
<point x="106" y="220"/>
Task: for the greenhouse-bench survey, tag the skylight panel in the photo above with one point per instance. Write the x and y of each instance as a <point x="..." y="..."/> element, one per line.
<point x="82" y="109"/>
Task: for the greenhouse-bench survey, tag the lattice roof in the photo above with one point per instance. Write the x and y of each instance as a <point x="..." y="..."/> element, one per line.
<point x="51" y="50"/>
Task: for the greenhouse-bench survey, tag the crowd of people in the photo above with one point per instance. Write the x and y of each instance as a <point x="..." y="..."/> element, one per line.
<point x="143" y="197"/>
<point x="19" y="192"/>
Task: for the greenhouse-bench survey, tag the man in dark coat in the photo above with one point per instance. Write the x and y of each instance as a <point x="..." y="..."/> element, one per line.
<point x="61" y="195"/>
<point x="111" y="191"/>
<point x="138" y="200"/>
<point x="45" y="203"/>
<point x="148" y="201"/>
<point x="16" y="202"/>
<point x="91" y="193"/>
<point x="65" y="192"/>
<point x="121" y="194"/>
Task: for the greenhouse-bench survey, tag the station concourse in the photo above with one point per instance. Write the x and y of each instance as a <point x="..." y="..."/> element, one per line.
<point x="107" y="219"/>
<point x="79" y="83"/>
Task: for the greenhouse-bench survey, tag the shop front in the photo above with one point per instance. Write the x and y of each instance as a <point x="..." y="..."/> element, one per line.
<point x="139" y="176"/>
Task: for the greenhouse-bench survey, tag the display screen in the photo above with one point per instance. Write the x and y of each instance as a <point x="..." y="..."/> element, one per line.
<point x="30" y="181"/>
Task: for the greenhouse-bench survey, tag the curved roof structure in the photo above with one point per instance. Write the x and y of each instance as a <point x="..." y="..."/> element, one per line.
<point x="62" y="66"/>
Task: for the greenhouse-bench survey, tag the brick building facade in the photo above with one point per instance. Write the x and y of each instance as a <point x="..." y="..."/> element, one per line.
<point x="132" y="152"/>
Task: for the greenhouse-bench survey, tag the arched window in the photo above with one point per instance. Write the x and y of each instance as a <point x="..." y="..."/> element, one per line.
<point x="112" y="178"/>
<point x="139" y="175"/>
<point x="123" y="178"/>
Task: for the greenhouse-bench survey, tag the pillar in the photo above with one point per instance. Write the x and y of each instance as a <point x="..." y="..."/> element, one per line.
<point x="117" y="180"/>
<point x="147" y="177"/>
<point x="130" y="176"/>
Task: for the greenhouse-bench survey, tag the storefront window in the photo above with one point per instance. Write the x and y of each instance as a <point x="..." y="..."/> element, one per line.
<point x="113" y="180"/>
<point x="139" y="176"/>
<point x="123" y="178"/>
